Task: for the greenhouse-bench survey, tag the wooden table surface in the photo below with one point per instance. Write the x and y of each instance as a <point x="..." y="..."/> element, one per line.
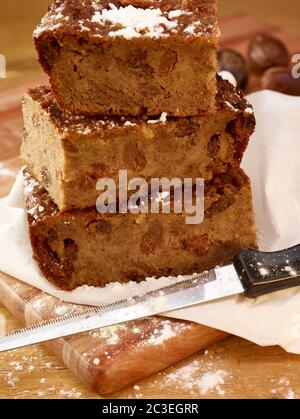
<point x="33" y="372"/>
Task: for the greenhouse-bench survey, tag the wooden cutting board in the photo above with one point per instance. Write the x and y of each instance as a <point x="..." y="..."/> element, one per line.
<point x="113" y="358"/>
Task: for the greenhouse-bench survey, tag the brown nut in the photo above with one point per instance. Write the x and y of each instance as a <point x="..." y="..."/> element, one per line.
<point x="281" y="80"/>
<point x="265" y="52"/>
<point x="234" y="62"/>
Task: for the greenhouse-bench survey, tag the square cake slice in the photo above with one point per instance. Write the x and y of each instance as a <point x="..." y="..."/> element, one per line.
<point x="131" y="57"/>
<point x="84" y="247"/>
<point x="68" y="154"/>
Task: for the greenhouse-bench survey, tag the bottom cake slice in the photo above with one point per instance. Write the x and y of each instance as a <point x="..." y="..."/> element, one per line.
<point x="84" y="247"/>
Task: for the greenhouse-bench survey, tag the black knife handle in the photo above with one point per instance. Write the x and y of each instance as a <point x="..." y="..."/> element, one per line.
<point x="262" y="272"/>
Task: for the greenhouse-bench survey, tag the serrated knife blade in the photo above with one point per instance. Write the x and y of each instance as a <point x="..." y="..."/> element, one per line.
<point x="252" y="273"/>
<point x="217" y="283"/>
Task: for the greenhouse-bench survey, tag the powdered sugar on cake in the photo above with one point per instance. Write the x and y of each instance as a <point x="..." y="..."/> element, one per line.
<point x="100" y="18"/>
<point x="192" y="28"/>
<point x="53" y="21"/>
<point x="135" y="21"/>
<point x="162" y="119"/>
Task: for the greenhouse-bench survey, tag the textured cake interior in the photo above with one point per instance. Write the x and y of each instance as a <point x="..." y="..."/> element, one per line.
<point x="69" y="154"/>
<point x="84" y="247"/>
<point x="93" y="72"/>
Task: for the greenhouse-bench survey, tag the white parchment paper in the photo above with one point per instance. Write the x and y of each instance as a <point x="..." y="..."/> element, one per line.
<point x="273" y="163"/>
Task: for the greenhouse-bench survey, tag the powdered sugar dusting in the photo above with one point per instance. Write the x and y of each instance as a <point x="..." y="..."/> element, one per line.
<point x="162" y="119"/>
<point x="20" y="368"/>
<point x="198" y="378"/>
<point x="226" y="75"/>
<point x="191" y="29"/>
<point x="111" y="335"/>
<point x="290" y="394"/>
<point x="284" y="388"/>
<point x="134" y="21"/>
<point x="129" y="124"/>
<point x="53" y="21"/>
<point x="33" y="208"/>
<point x="161" y="335"/>
<point x="96" y="18"/>
<point x="173" y="14"/>
<point x="211" y="381"/>
<point x="248" y="111"/>
<point x="230" y="106"/>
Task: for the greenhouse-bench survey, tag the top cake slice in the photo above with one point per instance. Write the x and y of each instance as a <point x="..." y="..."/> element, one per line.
<point x="131" y="57"/>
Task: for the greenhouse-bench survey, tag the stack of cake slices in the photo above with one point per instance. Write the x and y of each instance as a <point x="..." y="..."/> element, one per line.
<point x="133" y="87"/>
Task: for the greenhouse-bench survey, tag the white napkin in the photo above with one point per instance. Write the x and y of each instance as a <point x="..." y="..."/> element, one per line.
<point x="272" y="162"/>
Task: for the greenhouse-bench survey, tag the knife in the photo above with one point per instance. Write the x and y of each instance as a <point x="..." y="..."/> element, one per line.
<point x="252" y="274"/>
